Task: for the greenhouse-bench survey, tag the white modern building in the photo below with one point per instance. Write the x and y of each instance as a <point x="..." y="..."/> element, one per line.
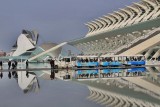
<point x="132" y="30"/>
<point x="25" y="43"/>
<point x="129" y="31"/>
<point x="26" y="46"/>
<point x="43" y="48"/>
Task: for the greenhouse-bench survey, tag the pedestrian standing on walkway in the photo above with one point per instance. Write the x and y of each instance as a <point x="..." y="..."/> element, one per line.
<point x="1" y="74"/>
<point x="1" y="64"/>
<point x="52" y="63"/>
<point x="13" y="65"/>
<point x="16" y="63"/>
<point x="9" y="64"/>
<point x="26" y="64"/>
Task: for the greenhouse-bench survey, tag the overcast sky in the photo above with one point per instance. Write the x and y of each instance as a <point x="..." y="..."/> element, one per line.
<point x="55" y="20"/>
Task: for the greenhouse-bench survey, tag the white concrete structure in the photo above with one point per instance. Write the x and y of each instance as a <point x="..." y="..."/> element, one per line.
<point x="25" y="46"/>
<point x="136" y="13"/>
<point x="28" y="84"/>
<point x="107" y="98"/>
<point x="54" y="51"/>
<point x="25" y="42"/>
<point x="131" y="30"/>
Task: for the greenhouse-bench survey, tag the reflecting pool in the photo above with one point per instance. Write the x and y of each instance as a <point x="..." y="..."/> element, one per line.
<point x="131" y="87"/>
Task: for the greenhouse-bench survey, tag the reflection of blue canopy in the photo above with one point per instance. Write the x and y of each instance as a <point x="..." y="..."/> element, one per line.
<point x="79" y="72"/>
<point x="111" y="70"/>
<point x="92" y="71"/>
<point x="142" y="69"/>
<point x="87" y="71"/>
<point x="115" y="70"/>
<point x="105" y="70"/>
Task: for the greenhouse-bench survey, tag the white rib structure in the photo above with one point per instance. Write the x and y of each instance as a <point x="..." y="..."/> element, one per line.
<point x="110" y="99"/>
<point x="136" y="13"/>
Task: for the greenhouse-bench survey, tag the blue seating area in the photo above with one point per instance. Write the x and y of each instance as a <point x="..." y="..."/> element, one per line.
<point x="135" y="62"/>
<point x="87" y="64"/>
<point x="105" y="64"/>
<point x="111" y="61"/>
<point x="114" y="63"/>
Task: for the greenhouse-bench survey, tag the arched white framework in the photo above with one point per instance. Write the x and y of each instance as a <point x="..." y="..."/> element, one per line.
<point x="133" y="14"/>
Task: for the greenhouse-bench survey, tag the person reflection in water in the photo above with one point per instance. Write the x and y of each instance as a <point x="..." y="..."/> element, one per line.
<point x="27" y="74"/>
<point x="52" y="76"/>
<point x="9" y="75"/>
<point x="14" y="74"/>
<point x="9" y="64"/>
<point x="1" y="75"/>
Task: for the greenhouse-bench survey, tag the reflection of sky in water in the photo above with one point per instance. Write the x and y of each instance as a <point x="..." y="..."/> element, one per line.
<point x="42" y="92"/>
<point x="38" y="91"/>
<point x="55" y="93"/>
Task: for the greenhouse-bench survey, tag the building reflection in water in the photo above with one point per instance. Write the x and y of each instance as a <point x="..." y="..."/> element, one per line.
<point x="153" y="75"/>
<point x="109" y="73"/>
<point x="108" y="87"/>
<point x="28" y="81"/>
<point x="122" y="87"/>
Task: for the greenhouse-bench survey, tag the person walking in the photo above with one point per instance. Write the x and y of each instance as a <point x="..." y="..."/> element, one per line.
<point x="13" y="65"/>
<point x="16" y="63"/>
<point x="27" y="64"/>
<point x="52" y="63"/>
<point x="1" y="64"/>
<point x="9" y="64"/>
